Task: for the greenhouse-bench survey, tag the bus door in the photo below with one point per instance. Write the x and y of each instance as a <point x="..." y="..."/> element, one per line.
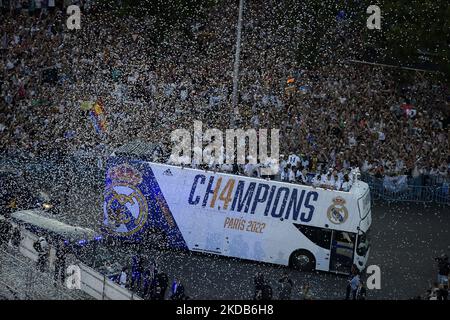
<point x="341" y="252"/>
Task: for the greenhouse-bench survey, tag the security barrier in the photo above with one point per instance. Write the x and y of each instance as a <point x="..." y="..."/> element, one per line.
<point x="409" y="193"/>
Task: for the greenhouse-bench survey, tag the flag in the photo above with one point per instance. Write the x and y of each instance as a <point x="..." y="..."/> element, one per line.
<point x="98" y="117"/>
<point x="86" y="105"/>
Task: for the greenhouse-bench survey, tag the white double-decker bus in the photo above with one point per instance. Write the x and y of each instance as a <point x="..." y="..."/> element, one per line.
<point x="282" y="223"/>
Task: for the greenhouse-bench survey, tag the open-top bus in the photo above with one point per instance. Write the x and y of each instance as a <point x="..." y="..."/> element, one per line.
<point x="250" y="218"/>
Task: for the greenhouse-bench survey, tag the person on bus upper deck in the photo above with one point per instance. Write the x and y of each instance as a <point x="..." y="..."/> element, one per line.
<point x="285" y="174"/>
<point x="283" y="162"/>
<point x="299" y="176"/>
<point x="249" y="168"/>
<point x="317" y="181"/>
<point x="346" y="184"/>
<point x="336" y="180"/>
<point x="329" y="180"/>
<point x="294" y="160"/>
<point x="291" y="176"/>
<point x="305" y="162"/>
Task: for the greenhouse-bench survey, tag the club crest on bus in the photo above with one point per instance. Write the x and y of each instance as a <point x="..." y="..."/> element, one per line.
<point x="337" y="213"/>
<point x="125" y="207"/>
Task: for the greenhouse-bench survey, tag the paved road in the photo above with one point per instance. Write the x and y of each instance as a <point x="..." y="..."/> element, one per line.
<point x="405" y="239"/>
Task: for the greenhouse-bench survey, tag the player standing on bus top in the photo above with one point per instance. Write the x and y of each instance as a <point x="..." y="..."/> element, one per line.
<point x="346" y="184"/>
<point x="283" y="162"/>
<point x="337" y="181"/>
<point x="291" y="177"/>
<point x="294" y="160"/>
<point x="317" y="180"/>
<point x="305" y="161"/>
<point x="249" y="168"/>
<point x="285" y="174"/>
<point x="329" y="180"/>
<point x="299" y="177"/>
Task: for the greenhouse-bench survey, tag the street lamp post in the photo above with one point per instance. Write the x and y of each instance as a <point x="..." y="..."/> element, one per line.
<point x="237" y="60"/>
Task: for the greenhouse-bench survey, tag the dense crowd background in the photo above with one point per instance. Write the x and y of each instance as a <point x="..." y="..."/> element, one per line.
<point x="336" y="115"/>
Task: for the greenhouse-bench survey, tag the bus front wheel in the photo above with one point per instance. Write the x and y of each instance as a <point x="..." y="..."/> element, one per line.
<point x="302" y="260"/>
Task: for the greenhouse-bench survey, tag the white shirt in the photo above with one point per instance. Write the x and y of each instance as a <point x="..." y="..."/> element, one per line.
<point x="248" y="169"/>
<point x="338" y="184"/>
<point x="329" y="182"/>
<point x="283" y="164"/>
<point x="291" y="176"/>
<point x="226" y="167"/>
<point x="316" y="181"/>
<point x="346" y="186"/>
<point x="300" y="177"/>
<point x="305" y="163"/>
<point x="284" y="175"/>
<point x="293" y="159"/>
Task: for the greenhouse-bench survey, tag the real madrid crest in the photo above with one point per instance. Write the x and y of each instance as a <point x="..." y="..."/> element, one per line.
<point x="337" y="213"/>
<point x="125" y="207"/>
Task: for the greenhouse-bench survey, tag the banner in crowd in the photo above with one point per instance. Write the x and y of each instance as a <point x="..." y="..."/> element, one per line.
<point x="395" y="184"/>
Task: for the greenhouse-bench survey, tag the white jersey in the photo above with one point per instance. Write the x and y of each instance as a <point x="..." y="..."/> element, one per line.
<point x="346" y="186"/>
<point x="337" y="184"/>
<point x="294" y="159"/>
<point x="291" y="175"/>
<point x="316" y="181"/>
<point x="300" y="177"/>
<point x="284" y="175"/>
<point x="249" y="168"/>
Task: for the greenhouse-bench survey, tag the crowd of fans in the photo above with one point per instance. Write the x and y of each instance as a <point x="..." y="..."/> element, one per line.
<point x="336" y="115"/>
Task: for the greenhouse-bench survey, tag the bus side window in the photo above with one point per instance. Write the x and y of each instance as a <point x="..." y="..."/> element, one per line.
<point x="319" y="236"/>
